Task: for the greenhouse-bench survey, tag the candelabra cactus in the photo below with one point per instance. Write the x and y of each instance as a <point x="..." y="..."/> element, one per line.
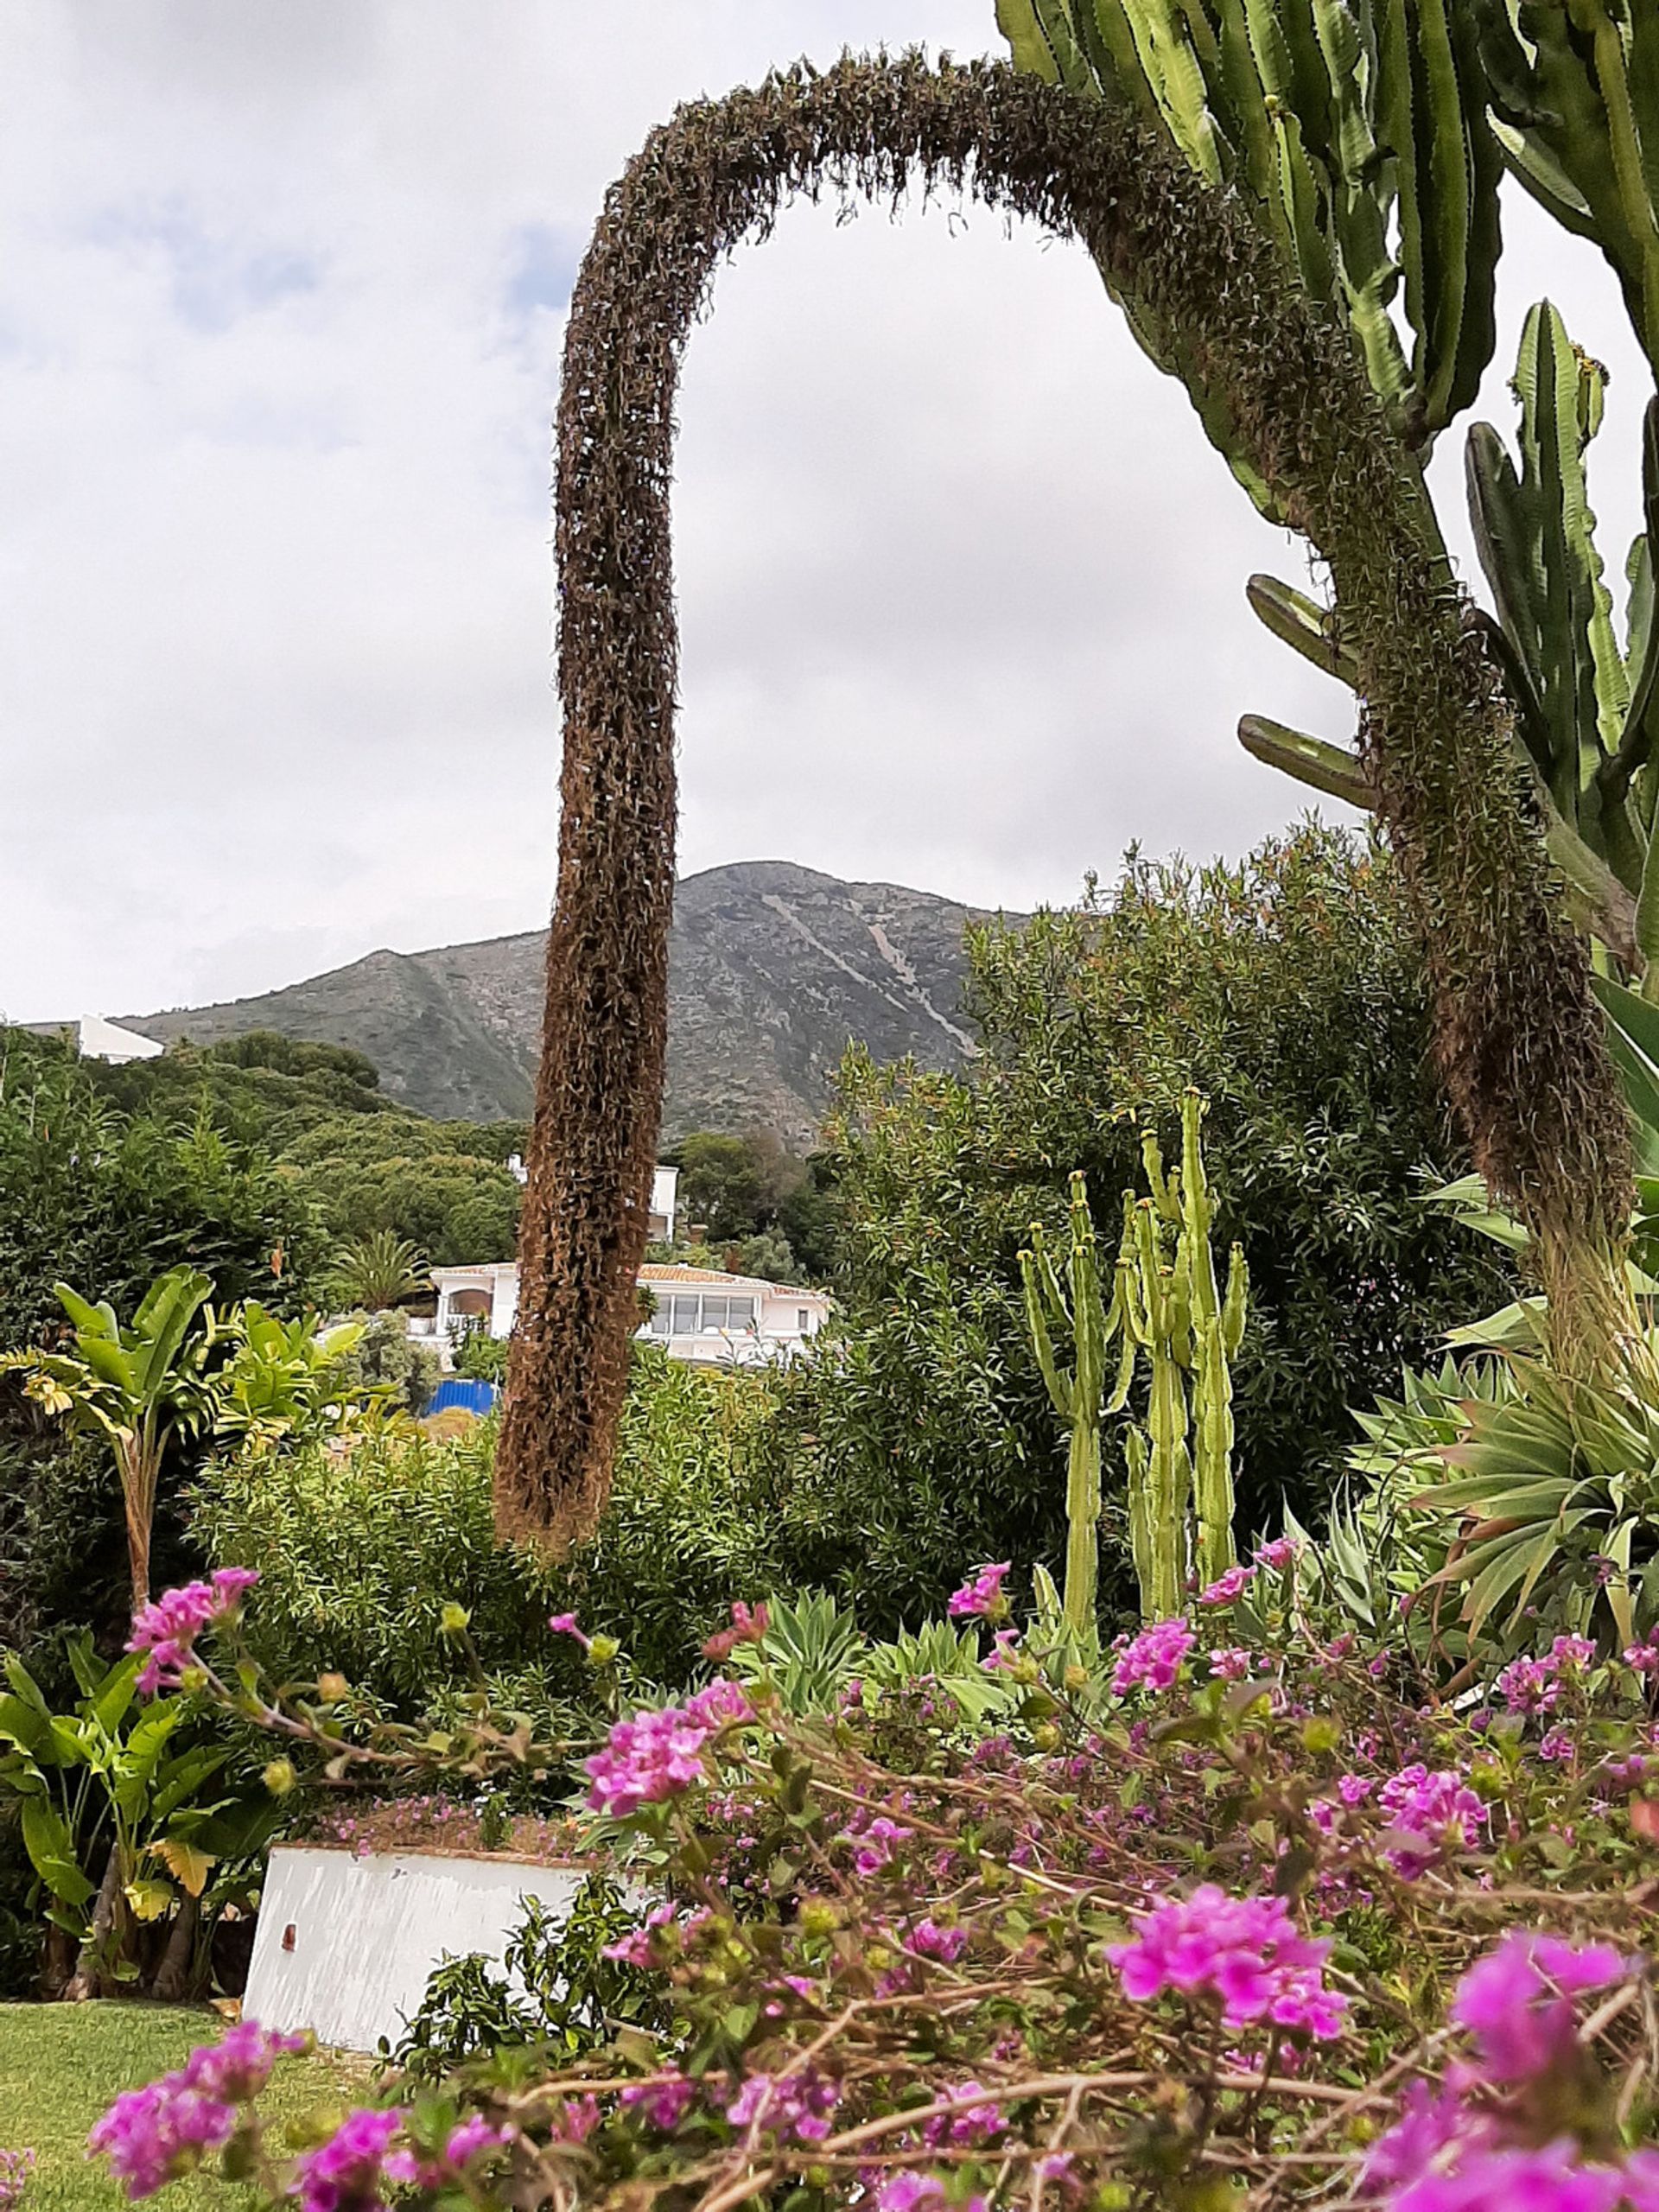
<point x="1078" y="1394"/>
<point x="1188" y="1330"/>
<point x="1167" y="1307"/>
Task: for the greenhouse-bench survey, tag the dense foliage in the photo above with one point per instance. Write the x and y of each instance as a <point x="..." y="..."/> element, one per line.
<point x="1288" y="991"/>
<point x="1230" y="1913"/>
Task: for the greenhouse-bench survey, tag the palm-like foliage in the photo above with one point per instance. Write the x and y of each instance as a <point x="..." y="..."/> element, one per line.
<point x="378" y="1271"/>
<point x="137" y="1384"/>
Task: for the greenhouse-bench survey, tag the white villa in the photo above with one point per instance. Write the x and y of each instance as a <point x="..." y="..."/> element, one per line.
<point x="701" y="1315"/>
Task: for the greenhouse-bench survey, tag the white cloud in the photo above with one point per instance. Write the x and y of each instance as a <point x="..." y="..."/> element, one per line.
<point x="280" y="310"/>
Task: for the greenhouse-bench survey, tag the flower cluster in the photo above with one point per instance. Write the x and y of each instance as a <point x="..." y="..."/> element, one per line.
<point x="983" y="1598"/>
<point x="657" y="1755"/>
<point x="1247" y="1952"/>
<point x="1431" y="1813"/>
<point x="793" y="2107"/>
<point x="1461" y="2148"/>
<point x="15" y="2167"/>
<point x="1534" y="1685"/>
<point x="1153" y="1659"/>
<point x="152" y="2135"/>
<point x="168" y="1630"/>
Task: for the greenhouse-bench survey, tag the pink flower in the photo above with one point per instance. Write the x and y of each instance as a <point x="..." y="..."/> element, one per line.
<point x="747" y="1627"/>
<point x="1558" y="1745"/>
<point x="1516" y="2001"/>
<point x="1278" y="1554"/>
<point x="1230" y="1585"/>
<point x="1440" y="1809"/>
<point x="796" y="2106"/>
<point x="662" y="2103"/>
<point x="970" y="2123"/>
<point x="344" y="2173"/>
<point x="1004" y="1653"/>
<point x="565" y="1624"/>
<point x="634" y="1949"/>
<point x="1515" y="2181"/>
<point x="1644" y="1657"/>
<point x="1429" y="2122"/>
<point x="1246" y="1951"/>
<point x="152" y="2135"/>
<point x="15" y="2167"/>
<point x="983" y="1598"/>
<point x="1231" y="1666"/>
<point x="936" y="1942"/>
<point x="167" y="1629"/>
<point x="656" y="1755"/>
<point x="874" y="1844"/>
<point x="1153" y="1658"/>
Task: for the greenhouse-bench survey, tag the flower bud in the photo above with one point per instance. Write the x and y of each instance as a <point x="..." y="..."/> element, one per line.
<point x="1046" y="1737"/>
<point x="601" y="1650"/>
<point x="280" y="1777"/>
<point x="454" y="1620"/>
<point x="331" y="1689"/>
<point x="1321" y="1733"/>
<point x="820" y="1917"/>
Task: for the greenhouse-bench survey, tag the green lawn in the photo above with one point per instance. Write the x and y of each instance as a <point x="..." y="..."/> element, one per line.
<point x="61" y="2065"/>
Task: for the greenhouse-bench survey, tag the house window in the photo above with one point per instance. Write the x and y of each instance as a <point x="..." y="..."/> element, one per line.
<point x="689" y="1313"/>
<point x="802" y="1322"/>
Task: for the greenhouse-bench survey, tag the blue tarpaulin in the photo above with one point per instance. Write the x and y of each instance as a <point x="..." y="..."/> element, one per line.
<point x="460" y="1390"/>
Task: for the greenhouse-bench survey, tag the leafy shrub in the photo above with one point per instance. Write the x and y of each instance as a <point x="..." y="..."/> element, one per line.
<point x="1233" y="1900"/>
<point x="1288" y="991"/>
<point x="388" y="1357"/>
<point x="360" y="1551"/>
<point x="560" y="1990"/>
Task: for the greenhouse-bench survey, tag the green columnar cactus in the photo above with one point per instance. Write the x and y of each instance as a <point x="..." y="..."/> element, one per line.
<point x="1189" y="1331"/>
<point x="1166" y="1307"/>
<point x="1081" y="1310"/>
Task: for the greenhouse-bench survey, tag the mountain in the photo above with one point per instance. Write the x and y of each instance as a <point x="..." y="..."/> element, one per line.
<point x="772" y="970"/>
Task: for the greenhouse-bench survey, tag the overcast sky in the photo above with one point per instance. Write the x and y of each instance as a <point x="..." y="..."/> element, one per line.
<point x="281" y="300"/>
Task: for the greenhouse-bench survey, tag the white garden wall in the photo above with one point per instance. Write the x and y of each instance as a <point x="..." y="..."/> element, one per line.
<point x="344" y="1945"/>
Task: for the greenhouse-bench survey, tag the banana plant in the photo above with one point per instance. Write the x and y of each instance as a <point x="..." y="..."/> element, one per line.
<point x="121" y="1813"/>
<point x="282" y="1381"/>
<point x="138" y="1384"/>
<point x="1355" y="131"/>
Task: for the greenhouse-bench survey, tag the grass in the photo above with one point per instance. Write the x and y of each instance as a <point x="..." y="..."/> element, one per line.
<point x="61" y="2065"/>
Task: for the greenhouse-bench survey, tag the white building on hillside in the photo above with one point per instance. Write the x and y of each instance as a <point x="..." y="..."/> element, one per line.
<point x="701" y="1314"/>
<point x="664" y="1196"/>
<point x="94" y="1039"/>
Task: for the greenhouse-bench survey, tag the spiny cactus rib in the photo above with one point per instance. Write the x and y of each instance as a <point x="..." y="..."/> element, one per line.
<point x="1507" y="977"/>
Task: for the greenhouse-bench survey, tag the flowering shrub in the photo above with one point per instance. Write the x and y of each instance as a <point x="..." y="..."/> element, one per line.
<point x="1254" y="1926"/>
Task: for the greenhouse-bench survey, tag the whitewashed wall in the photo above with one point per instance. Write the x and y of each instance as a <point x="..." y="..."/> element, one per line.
<point x="344" y="1945"/>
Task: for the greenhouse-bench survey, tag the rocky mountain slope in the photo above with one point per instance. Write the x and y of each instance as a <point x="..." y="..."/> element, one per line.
<point x="772" y="970"/>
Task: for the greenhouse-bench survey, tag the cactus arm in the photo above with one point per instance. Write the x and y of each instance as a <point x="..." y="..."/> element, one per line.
<point x="1304" y="626"/>
<point x="1637" y="180"/>
<point x="1177" y="83"/>
<point x="1328" y="768"/>
<point x="1234" y="1305"/>
<point x="1059" y="1387"/>
<point x="1082" y="1519"/>
<point x="1137" y="1466"/>
<point x="1152" y="1162"/>
<point x="1532" y="164"/>
<point x="1503" y="545"/>
<point x="1041" y="38"/>
<point x="1642" y="719"/>
<point x="1212" y="1485"/>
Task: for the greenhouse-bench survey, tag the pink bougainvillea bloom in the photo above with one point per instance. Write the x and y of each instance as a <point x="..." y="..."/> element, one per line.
<point x="1439" y="1808"/>
<point x="798" y="2105"/>
<point x="747" y="1627"/>
<point x="936" y="1942"/>
<point x="1246" y="1951"/>
<point x="1153" y="1659"/>
<point x="655" y="1755"/>
<point x="1550" y="2180"/>
<point x="167" y="1629"/>
<point x="1517" y="2001"/>
<point x="663" y="2104"/>
<point x="151" y="2135"/>
<point x="1278" y="1554"/>
<point x="344" y="2173"/>
<point x="1228" y="1586"/>
<point x="983" y="1598"/>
